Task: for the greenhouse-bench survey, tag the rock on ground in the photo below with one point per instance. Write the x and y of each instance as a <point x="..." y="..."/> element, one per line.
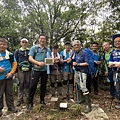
<point x="97" y="113"/>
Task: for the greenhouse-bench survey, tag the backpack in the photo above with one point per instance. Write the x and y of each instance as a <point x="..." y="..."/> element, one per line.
<point x="36" y="51"/>
<point x="46" y="54"/>
<point x="18" y="53"/>
<point x="9" y="56"/>
<point x="90" y="61"/>
<point x="23" y="65"/>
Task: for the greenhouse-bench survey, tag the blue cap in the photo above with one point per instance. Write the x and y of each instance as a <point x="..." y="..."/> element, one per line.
<point x="113" y="38"/>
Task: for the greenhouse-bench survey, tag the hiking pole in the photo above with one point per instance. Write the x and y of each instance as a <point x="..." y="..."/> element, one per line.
<point x="56" y="66"/>
<point x="74" y="89"/>
<point x="74" y="71"/>
<point x="77" y="94"/>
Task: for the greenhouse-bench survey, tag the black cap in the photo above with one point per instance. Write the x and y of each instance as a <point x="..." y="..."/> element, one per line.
<point x="55" y="46"/>
<point x="67" y="43"/>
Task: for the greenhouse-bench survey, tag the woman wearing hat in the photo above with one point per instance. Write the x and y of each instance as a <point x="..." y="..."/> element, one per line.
<point x="55" y="72"/>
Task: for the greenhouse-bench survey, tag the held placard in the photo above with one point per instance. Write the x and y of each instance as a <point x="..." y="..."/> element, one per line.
<point x="49" y="61"/>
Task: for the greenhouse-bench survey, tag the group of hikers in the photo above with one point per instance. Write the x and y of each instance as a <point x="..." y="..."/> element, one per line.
<point x="73" y="64"/>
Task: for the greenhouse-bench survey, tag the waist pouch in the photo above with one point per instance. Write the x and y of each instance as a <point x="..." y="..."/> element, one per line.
<point x="25" y="66"/>
<point x="38" y="67"/>
<point x="81" y="70"/>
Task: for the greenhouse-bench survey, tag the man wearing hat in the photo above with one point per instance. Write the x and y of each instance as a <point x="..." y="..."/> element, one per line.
<point x="67" y="87"/>
<point x="55" y="72"/>
<point x="114" y="62"/>
<point x="24" y="70"/>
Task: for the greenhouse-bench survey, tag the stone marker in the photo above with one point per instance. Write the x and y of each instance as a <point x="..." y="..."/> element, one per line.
<point x="54" y="103"/>
<point x="63" y="105"/>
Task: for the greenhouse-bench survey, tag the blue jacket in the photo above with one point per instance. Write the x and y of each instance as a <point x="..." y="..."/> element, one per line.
<point x="5" y="63"/>
<point x="67" y="67"/>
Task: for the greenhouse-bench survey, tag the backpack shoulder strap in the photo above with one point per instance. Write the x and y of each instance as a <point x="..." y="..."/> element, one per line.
<point x="36" y="48"/>
<point x="17" y="54"/>
<point x="46" y="48"/>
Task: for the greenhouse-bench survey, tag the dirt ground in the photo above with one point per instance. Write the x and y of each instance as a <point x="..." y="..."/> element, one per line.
<point x="73" y="111"/>
<point x="104" y="100"/>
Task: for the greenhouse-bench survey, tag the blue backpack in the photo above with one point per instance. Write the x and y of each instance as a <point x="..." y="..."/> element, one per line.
<point x="91" y="68"/>
<point x="90" y="60"/>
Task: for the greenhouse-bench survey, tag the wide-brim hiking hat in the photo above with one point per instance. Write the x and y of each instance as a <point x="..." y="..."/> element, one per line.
<point x="24" y="39"/>
<point x="113" y="38"/>
<point x="67" y="43"/>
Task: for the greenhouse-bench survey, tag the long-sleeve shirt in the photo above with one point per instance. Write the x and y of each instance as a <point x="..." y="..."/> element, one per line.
<point x="106" y="59"/>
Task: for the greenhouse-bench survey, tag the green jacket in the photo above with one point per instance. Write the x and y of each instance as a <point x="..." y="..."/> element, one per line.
<point x="106" y="59"/>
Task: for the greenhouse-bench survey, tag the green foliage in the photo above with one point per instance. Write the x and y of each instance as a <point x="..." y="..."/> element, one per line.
<point x="59" y="20"/>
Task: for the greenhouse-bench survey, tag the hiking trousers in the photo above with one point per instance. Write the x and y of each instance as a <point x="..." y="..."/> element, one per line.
<point x="6" y="86"/>
<point x="92" y="81"/>
<point x="56" y="82"/>
<point x="81" y="81"/>
<point x="67" y="86"/>
<point x="36" y="76"/>
<point x="118" y="85"/>
<point x="113" y="91"/>
<point x="24" y="82"/>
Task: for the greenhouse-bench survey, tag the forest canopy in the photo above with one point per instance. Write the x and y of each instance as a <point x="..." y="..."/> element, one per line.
<point x="60" y="20"/>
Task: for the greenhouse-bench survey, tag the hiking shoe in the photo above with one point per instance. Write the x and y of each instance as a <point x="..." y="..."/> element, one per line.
<point x="88" y="109"/>
<point x="71" y="96"/>
<point x="30" y="106"/>
<point x="64" y="96"/>
<point x="42" y="102"/>
<point x="13" y="109"/>
<point x="110" y="97"/>
<point x="117" y="107"/>
<point x="115" y="100"/>
<point x="18" y="103"/>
